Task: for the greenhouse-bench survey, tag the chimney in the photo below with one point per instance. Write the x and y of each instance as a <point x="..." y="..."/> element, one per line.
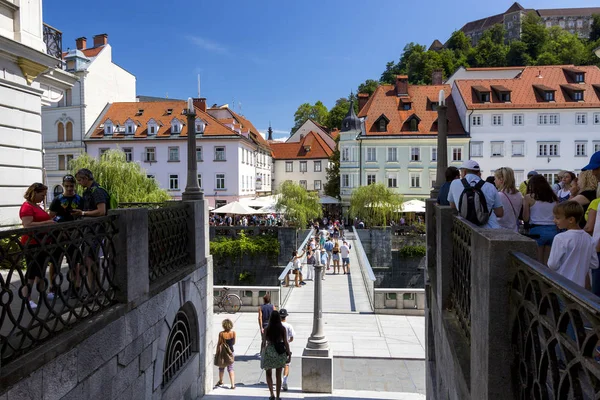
<point x="100" y="40"/>
<point x="437" y="77"/>
<point x="362" y="100"/>
<point x="401" y="85"/>
<point x="200" y="103"/>
<point x="81" y="43"/>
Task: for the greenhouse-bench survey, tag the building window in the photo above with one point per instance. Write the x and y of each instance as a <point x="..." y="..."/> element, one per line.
<point x="220" y="153"/>
<point x="345" y="154"/>
<point x="457" y="154"/>
<point x="562" y="24"/>
<point x="415" y="180"/>
<point x="69" y="131"/>
<point x="220" y="181"/>
<point x="548" y="119"/>
<point x="392" y="181"/>
<point x="150" y="176"/>
<point x="128" y="154"/>
<point x="518" y="119"/>
<point x="108" y="128"/>
<point x="63" y="161"/>
<point x="578" y="96"/>
<point x="371" y="154"/>
<point x="415" y="154"/>
<point x="581" y="118"/>
<point x="505" y="97"/>
<point x="476" y="149"/>
<point x="548" y="150"/>
<point x="414" y="125"/>
<point x="173" y="182"/>
<point x="392" y="154"/>
<point x="434" y="153"/>
<point x="549" y="96"/>
<point x="130" y="129"/>
<point x="199" y="180"/>
<point x="485" y="97"/>
<point x="371" y="179"/>
<point x="150" y="154"/>
<point x="199" y="153"/>
<point x="596" y="146"/>
<point x="497" y="149"/>
<point x="518" y="149"/>
<point x="548" y="24"/>
<point x="317" y="185"/>
<point x="61" y="132"/>
<point x="580" y="149"/>
<point x="345" y="180"/>
<point x="289" y="166"/>
<point x="173" y="154"/>
<point x="303" y="184"/>
<point x="303" y="166"/>
<point x="152" y="129"/>
<point x="476" y="120"/>
<point x="318" y="167"/>
<point x="382" y="125"/>
<point x="596" y="118"/>
<point x="497" y="120"/>
<point x="580" y="23"/>
<point x="175" y="127"/>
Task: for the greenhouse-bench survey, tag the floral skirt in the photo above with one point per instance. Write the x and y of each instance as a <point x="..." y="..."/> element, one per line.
<point x="270" y="359"/>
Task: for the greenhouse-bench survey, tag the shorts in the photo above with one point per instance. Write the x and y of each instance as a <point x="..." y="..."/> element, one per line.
<point x="229" y="367"/>
<point x="345" y="261"/>
<point x="336" y="257"/>
<point x="546" y="232"/>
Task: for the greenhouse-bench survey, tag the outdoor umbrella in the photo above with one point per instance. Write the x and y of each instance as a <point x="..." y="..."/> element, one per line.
<point x="416" y="206"/>
<point x="235" y="208"/>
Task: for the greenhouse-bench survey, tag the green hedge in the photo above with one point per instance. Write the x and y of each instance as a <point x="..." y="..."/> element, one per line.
<point x="413" y="251"/>
<point x="226" y="247"/>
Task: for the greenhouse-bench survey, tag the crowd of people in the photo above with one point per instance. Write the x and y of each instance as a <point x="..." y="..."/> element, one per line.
<point x="560" y="216"/>
<point x="245" y="220"/>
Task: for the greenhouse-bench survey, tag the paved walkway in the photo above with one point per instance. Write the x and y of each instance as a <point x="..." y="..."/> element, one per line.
<point x="248" y="393"/>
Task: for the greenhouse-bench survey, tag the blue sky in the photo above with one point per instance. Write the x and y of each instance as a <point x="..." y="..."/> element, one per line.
<point x="270" y="56"/>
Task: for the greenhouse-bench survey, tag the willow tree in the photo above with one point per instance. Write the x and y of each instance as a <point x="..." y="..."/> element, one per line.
<point x="127" y="181"/>
<point x="298" y="205"/>
<point x="375" y="204"/>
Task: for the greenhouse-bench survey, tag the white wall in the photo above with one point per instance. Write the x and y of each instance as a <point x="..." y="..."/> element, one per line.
<point x="462" y="73"/>
<point x="310" y="176"/>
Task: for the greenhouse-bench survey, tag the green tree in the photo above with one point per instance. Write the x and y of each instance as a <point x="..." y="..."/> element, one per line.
<point x="299" y="206"/>
<point x="375" y="204"/>
<point x="517" y="54"/>
<point x="595" y="28"/>
<point x="337" y="113"/>
<point x="127" y="181"/>
<point x="565" y="46"/>
<point x="389" y="75"/>
<point x="317" y="112"/>
<point x="534" y="34"/>
<point x="459" y="43"/>
<point x="332" y="186"/>
<point x="489" y="53"/>
<point x="369" y="86"/>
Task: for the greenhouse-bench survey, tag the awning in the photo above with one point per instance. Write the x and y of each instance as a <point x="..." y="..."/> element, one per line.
<point x="235" y="208"/>
<point x="328" y="200"/>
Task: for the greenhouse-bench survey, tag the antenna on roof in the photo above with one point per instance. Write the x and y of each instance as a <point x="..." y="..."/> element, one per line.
<point x="167" y="95"/>
<point x="198" y="85"/>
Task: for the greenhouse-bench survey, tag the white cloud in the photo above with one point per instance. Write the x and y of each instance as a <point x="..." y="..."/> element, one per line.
<point x="209" y="45"/>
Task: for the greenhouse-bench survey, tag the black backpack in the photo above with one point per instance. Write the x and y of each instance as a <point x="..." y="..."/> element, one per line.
<point x="472" y="205"/>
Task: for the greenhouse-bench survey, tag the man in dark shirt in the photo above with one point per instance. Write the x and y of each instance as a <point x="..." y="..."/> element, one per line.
<point x="452" y="173"/>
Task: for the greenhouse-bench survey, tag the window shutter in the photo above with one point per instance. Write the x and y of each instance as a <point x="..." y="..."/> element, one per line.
<point x="69" y="131"/>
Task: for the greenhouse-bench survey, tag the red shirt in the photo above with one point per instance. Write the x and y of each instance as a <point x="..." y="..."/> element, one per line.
<point x="39" y="215"/>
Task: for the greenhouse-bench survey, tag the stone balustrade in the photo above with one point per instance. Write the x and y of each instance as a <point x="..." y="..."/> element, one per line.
<point x="251" y="296"/>
<point x="400" y="301"/>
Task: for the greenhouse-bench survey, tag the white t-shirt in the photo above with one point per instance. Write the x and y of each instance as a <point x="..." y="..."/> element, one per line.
<point x="573" y="254"/>
<point x="344" y="251"/>
<point x="289" y="330"/>
<point x="492" y="197"/>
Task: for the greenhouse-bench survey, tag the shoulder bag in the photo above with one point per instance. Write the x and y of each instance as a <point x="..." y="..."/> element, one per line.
<point x="223" y="355"/>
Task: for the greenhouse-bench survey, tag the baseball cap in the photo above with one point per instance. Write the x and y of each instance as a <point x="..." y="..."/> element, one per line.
<point x="594" y="162"/>
<point x="470" y="164"/>
<point x="532" y="173"/>
<point x="283" y="313"/>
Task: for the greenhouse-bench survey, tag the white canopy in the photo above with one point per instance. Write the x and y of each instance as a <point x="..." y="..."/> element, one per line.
<point x="270" y="209"/>
<point x="260" y="201"/>
<point x="417" y="206"/>
<point x="235" y="208"/>
<point x="328" y="200"/>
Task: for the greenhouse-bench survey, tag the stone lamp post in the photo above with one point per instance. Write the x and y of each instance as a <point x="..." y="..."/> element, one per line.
<point x="317" y="358"/>
<point x="192" y="190"/>
<point x="442" y="145"/>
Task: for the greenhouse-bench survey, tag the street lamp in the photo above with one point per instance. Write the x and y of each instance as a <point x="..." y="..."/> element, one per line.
<point x="192" y="190"/>
<point x="442" y="145"/>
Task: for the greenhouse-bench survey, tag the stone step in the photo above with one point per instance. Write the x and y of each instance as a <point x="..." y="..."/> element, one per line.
<point x="261" y="392"/>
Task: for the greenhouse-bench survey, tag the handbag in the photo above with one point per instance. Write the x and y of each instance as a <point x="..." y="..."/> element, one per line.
<point x="279" y="347"/>
<point x="223" y="355"/>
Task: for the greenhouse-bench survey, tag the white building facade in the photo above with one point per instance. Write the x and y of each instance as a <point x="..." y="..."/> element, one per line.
<point x="97" y="81"/>
<point x="547" y="119"/>
<point x="29" y="52"/>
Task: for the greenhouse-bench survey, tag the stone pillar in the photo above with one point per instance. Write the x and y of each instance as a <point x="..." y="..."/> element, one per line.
<point x="442" y="149"/>
<point x="317" y="358"/>
<point x="443" y="275"/>
<point x="192" y="190"/>
<point x="197" y="229"/>
<point x="131" y="248"/>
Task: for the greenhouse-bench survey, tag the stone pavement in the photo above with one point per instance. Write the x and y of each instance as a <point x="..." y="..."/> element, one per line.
<point x="262" y="393"/>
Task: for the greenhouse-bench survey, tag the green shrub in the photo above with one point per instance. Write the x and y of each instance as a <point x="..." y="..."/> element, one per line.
<point x="227" y="248"/>
<point x="10" y="254"/>
<point x="413" y="251"/>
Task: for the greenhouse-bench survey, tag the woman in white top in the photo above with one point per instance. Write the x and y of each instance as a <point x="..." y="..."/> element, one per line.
<point x="538" y="206"/>
<point x="565" y="192"/>
<point x="512" y="200"/>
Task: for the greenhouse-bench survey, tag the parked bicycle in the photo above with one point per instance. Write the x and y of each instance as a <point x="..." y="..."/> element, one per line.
<point x="229" y="302"/>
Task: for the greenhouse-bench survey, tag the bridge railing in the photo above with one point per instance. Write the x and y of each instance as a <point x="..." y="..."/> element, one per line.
<point x="286" y="291"/>
<point x="400" y="301"/>
<point x="251" y="296"/>
<point x="365" y="269"/>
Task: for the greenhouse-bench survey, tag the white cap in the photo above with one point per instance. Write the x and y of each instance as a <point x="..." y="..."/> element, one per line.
<point x="470" y="164"/>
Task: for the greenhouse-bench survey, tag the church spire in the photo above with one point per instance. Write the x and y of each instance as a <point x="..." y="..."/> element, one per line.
<point x="351" y="122"/>
<point x="270" y="132"/>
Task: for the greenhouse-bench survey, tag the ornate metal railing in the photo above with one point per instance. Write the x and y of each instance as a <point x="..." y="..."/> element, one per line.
<point x="234" y="231"/>
<point x="149" y="205"/>
<point x="51" y="278"/>
<point x="168" y="238"/>
<point x="53" y="40"/>
<point x="555" y="335"/>
<point x="460" y="288"/>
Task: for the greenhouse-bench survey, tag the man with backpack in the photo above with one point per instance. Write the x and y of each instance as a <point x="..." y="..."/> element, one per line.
<point x="476" y="200"/>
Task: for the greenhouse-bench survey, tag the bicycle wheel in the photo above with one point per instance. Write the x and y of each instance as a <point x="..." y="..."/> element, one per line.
<point x="232" y="303"/>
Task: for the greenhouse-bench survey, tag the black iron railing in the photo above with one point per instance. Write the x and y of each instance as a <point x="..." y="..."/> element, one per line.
<point x="168" y="237"/>
<point x="53" y="40"/>
<point x="555" y="335"/>
<point x="149" y="205"/>
<point x="235" y="231"/>
<point x="51" y="278"/>
<point x="460" y="288"/>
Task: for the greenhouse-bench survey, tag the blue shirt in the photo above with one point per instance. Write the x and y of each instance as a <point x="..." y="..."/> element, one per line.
<point x="328" y="246"/>
<point x="492" y="197"/>
<point x="443" y="196"/>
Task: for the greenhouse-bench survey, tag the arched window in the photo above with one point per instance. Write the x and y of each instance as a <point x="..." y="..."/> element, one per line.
<point x="69" y="131"/>
<point x="61" y="132"/>
<point x="182" y="341"/>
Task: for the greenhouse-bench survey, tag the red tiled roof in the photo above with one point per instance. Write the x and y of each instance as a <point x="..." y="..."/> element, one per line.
<point x="385" y="102"/>
<point x="118" y="113"/>
<point x="571" y="12"/>
<point x="297" y="150"/>
<point x="91" y="52"/>
<point x="524" y="93"/>
<point x="248" y="126"/>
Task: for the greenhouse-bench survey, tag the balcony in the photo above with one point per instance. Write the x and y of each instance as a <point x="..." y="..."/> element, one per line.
<point x="53" y="40"/>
